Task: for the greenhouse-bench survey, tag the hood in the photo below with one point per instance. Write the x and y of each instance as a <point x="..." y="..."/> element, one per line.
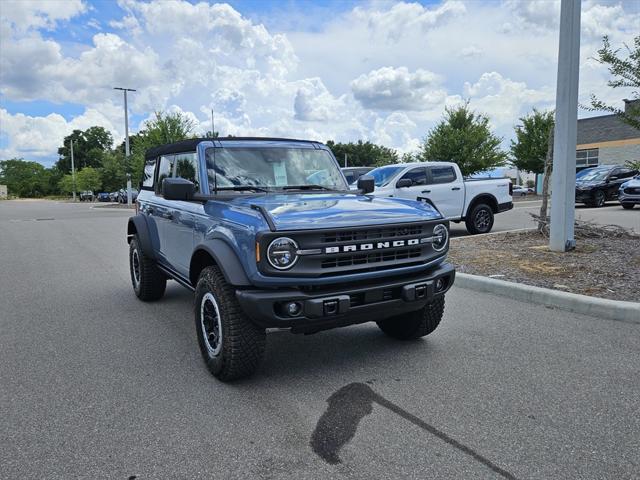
<point x="634" y="182"/>
<point x="327" y="210"/>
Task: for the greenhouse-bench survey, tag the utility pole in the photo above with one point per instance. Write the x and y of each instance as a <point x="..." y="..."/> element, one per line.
<point x="126" y="140"/>
<point x="73" y="172"/>
<point x="345" y="160"/>
<point x="563" y="180"/>
<point x="213" y="126"/>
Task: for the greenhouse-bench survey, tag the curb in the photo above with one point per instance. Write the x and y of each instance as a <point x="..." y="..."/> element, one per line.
<point x="573" y="302"/>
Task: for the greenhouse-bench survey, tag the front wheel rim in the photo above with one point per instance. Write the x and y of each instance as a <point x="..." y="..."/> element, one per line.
<point x="482" y="220"/>
<point x="135" y="267"/>
<point x="210" y="324"/>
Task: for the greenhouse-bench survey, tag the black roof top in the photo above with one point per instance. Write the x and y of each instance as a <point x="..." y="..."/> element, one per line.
<point x="191" y="144"/>
<point x="605" y="128"/>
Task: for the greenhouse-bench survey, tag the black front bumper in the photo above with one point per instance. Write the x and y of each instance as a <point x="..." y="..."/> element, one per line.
<point x="503" y="207"/>
<point x="345" y="305"/>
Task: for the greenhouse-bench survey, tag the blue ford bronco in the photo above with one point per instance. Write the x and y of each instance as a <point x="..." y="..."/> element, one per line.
<point x="267" y="234"/>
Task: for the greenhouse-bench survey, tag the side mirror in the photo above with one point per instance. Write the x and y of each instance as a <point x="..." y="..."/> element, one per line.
<point x="366" y="183"/>
<point x="178" y="189"/>
<point x="613" y="177"/>
<point x="404" y="183"/>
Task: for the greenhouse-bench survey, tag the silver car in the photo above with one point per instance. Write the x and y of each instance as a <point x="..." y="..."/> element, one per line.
<point x="629" y="193"/>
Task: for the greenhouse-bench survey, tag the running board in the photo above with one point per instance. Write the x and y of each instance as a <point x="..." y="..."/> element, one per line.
<point x="178" y="278"/>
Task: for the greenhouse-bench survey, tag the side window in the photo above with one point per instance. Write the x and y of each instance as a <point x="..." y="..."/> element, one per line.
<point x="350" y="176"/>
<point x="187" y="167"/>
<point x="165" y="170"/>
<point x="442" y="175"/>
<point x="626" y="173"/>
<point x="418" y="176"/>
<point x="147" y="176"/>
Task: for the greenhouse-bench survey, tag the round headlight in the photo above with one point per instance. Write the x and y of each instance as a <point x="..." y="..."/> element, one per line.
<point x="281" y="253"/>
<point x="440" y="237"/>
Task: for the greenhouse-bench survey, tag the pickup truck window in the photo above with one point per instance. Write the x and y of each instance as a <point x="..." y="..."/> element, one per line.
<point x="442" y="175"/>
<point x="383" y="175"/>
<point x="418" y="176"/>
<point x="272" y="168"/>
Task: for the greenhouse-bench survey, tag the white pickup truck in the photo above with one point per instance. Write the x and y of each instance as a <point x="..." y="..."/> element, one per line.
<point x="441" y="183"/>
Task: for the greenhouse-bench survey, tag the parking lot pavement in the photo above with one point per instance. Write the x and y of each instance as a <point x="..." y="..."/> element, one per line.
<point x="96" y="384"/>
<point x="519" y="218"/>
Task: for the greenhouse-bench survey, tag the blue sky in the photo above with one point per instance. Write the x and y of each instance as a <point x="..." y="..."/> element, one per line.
<point x="346" y="70"/>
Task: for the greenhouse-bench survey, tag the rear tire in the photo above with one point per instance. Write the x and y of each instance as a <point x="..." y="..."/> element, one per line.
<point x="480" y="219"/>
<point x="149" y="283"/>
<point x="628" y="206"/>
<point x="231" y="345"/>
<point x="415" y="324"/>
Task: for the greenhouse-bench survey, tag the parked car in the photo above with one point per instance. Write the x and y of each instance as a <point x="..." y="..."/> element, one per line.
<point x="103" y="197"/>
<point x="122" y="195"/>
<point x="86" y="196"/>
<point x="441" y="184"/>
<point x="521" y="191"/>
<point x="601" y="183"/>
<point x="113" y="196"/>
<point x="352" y="174"/>
<point x="263" y="247"/>
<point x="629" y="194"/>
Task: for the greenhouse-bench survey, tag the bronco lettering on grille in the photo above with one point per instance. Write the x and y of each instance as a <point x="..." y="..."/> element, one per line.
<point x="372" y="246"/>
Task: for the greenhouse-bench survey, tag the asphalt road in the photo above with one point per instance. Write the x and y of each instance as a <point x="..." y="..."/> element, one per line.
<point x="96" y="384"/>
<point x="518" y="217"/>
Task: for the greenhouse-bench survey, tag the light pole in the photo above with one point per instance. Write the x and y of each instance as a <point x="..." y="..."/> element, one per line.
<point x="126" y="140"/>
<point x="73" y="172"/>
<point x="563" y="180"/>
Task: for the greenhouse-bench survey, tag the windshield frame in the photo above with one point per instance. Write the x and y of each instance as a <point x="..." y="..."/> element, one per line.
<point x="209" y="189"/>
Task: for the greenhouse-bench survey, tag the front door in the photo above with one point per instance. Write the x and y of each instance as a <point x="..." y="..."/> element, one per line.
<point x="445" y="190"/>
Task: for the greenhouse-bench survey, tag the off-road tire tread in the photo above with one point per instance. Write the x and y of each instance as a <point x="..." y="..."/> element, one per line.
<point x="415" y="324"/>
<point x="243" y="341"/>
<point x="469" y="220"/>
<point x="152" y="281"/>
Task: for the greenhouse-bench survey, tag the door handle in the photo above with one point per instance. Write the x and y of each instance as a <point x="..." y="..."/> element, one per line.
<point x="426" y="191"/>
<point x="455" y="188"/>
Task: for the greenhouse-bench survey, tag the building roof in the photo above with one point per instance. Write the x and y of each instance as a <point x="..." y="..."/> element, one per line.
<point x="191" y="144"/>
<point x="605" y="128"/>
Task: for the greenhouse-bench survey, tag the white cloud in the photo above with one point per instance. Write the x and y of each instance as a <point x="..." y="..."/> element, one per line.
<point x="24" y="15"/>
<point x="314" y="102"/>
<point x="391" y="88"/>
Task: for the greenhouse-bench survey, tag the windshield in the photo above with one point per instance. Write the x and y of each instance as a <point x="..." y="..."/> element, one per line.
<point x="582" y="173"/>
<point x="272" y="168"/>
<point x="382" y="175"/>
<point x="594" y="175"/>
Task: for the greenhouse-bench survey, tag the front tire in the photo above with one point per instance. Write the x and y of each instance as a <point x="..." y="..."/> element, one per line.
<point x="231" y="345"/>
<point x="149" y="283"/>
<point x="627" y="206"/>
<point x="415" y="324"/>
<point x="599" y="199"/>
<point x="480" y="220"/>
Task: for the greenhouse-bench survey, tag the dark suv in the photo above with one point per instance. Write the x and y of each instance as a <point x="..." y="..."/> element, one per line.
<point x="267" y="234"/>
<point x="596" y="185"/>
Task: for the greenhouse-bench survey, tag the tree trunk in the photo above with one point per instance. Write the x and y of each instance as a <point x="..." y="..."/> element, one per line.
<point x="548" y="169"/>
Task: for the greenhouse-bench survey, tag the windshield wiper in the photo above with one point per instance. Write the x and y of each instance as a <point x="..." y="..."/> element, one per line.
<point x="306" y="187"/>
<point x="244" y="188"/>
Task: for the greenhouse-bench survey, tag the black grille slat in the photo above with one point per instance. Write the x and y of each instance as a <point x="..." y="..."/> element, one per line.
<point x="371" y="234"/>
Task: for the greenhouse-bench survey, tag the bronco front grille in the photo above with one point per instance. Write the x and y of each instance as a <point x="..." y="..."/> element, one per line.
<point x="372" y="233"/>
<point x="369" y="258"/>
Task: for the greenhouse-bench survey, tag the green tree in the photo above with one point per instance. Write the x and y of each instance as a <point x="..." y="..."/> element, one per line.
<point x="362" y="154"/>
<point x="166" y="128"/>
<point x="529" y="150"/>
<point x="89" y="148"/>
<point x="24" y="178"/>
<point x="625" y="73"/>
<point x="65" y="184"/>
<point x="88" y="179"/>
<point x="113" y="171"/>
<point x="464" y="137"/>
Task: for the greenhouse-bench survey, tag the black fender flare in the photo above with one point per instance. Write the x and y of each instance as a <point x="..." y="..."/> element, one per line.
<point x="137" y="225"/>
<point x="226" y="259"/>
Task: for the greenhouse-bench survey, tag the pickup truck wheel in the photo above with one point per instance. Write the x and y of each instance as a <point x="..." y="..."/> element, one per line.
<point x="148" y="281"/>
<point x="480" y="220"/>
<point x="231" y="345"/>
<point x="415" y="324"/>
